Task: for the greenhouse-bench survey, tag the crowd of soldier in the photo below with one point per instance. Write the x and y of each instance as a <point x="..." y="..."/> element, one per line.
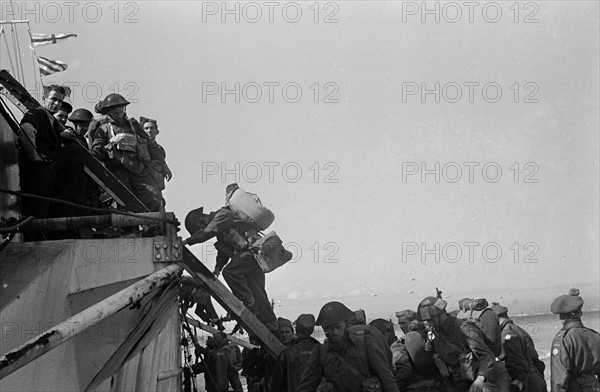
<point x="51" y="158"/>
<point x="477" y="348"/>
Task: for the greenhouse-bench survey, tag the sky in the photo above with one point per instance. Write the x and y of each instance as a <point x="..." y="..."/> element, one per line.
<point x="401" y="146"/>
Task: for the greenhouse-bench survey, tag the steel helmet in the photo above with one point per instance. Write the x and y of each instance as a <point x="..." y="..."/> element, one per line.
<point x="113" y="100"/>
<point x="430" y="307"/>
<point x="82" y="115"/>
<point x="197" y="220"/>
<point x="382" y="325"/>
<point x="333" y="313"/>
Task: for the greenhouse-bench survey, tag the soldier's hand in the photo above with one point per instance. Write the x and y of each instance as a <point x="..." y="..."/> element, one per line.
<point x="216" y="272"/>
<point x="477" y="385"/>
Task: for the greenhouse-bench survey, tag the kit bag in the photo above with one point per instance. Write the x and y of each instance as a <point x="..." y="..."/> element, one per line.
<point x="270" y="253"/>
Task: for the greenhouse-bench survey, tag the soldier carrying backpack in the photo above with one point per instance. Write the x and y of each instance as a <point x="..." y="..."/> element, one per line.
<point x="240" y="248"/>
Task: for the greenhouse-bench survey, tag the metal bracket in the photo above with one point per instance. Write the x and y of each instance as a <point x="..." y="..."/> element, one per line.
<point x="166" y="250"/>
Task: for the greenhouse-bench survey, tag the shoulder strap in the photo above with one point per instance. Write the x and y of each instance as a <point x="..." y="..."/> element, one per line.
<point x="362" y="348"/>
<point x="325" y="348"/>
<point x="557" y="341"/>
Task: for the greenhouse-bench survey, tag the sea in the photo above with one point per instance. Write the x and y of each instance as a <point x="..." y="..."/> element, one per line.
<point x="541" y="327"/>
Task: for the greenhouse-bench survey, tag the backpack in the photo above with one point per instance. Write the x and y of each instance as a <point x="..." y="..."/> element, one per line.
<point x="249" y="207"/>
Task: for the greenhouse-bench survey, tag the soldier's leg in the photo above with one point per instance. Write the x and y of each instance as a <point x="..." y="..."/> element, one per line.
<point x="256" y="282"/>
<point x="145" y="189"/>
<point x="235" y="276"/>
<point x="203" y="299"/>
<point x="36" y="178"/>
<point x="71" y="180"/>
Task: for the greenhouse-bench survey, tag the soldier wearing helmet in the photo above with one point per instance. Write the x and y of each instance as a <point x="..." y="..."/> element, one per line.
<point x="575" y="359"/>
<point x="460" y="345"/>
<point x="47" y="167"/>
<point x="240" y="269"/>
<point x="414" y="367"/>
<point x="81" y="119"/>
<point x="123" y="146"/>
<point x="349" y="362"/>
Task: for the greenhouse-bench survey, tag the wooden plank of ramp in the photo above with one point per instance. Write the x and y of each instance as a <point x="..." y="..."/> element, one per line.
<point x="229" y="302"/>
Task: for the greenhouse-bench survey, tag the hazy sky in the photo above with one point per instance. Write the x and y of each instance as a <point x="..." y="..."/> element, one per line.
<point x="336" y="123"/>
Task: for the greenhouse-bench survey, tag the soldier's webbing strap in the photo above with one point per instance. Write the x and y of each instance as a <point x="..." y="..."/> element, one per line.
<point x="362" y="349"/>
<point x="557" y="342"/>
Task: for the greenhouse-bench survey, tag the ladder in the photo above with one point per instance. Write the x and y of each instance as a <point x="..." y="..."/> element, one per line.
<point x="229" y="302"/>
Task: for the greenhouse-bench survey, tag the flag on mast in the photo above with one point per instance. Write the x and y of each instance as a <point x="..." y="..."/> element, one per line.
<point x="49" y="39"/>
<point x="48" y="67"/>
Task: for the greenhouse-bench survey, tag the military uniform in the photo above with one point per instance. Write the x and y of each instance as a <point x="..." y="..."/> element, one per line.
<point x="484" y="317"/>
<point x="346" y="367"/>
<point x="414" y="367"/>
<point x="128" y="159"/>
<point x="461" y="346"/>
<point x="243" y="275"/>
<point x="193" y="293"/>
<point x="521" y="358"/>
<point x="219" y="365"/>
<point x="575" y="356"/>
<point x="233" y="375"/>
<point x="291" y="365"/>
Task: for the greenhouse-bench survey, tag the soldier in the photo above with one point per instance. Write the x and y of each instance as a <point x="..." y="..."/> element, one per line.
<point x="522" y="362"/>
<point x="414" y="365"/>
<point x="63" y="113"/>
<point x="256" y="363"/>
<point x="123" y="146"/>
<point x="478" y="311"/>
<point x="159" y="164"/>
<point x="575" y="359"/>
<point x="471" y="364"/>
<point x="81" y="119"/>
<point x="235" y="356"/>
<point x="286" y="331"/>
<point x="218" y="362"/>
<point x="349" y="362"/>
<point x="193" y="293"/>
<point x="243" y="274"/>
<point x="293" y="360"/>
<point x="47" y="167"/>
